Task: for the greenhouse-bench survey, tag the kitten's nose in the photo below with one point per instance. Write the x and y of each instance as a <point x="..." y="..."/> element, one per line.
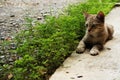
<point x="89" y="30"/>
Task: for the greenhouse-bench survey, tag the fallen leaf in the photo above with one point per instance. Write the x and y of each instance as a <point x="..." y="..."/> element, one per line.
<point x="10" y="76"/>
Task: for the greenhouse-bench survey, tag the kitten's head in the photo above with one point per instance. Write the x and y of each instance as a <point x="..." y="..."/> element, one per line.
<point x="94" y="23"/>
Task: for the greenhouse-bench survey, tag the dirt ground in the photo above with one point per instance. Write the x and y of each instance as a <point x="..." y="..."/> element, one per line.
<point x="105" y="66"/>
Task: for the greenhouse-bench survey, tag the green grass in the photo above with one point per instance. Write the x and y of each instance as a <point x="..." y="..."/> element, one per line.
<point x="45" y="46"/>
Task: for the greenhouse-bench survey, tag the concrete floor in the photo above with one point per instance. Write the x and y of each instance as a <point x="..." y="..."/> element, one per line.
<point x="105" y="66"/>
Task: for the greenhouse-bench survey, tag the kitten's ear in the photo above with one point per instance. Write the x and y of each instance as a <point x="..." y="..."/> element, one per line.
<point x="85" y="15"/>
<point x="100" y="16"/>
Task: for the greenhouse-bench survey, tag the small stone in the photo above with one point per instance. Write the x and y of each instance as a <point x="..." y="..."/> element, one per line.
<point x="7" y="56"/>
<point x="13" y="46"/>
<point x="12" y="15"/>
<point x="7" y="53"/>
<point x="14" y="23"/>
<point x="1" y="21"/>
<point x="11" y="22"/>
<point x="2" y="38"/>
<point x="79" y="60"/>
<point x="45" y="15"/>
<point x="2" y="24"/>
<point x="11" y="19"/>
<point x="39" y="18"/>
<point x="108" y="48"/>
<point x="79" y="76"/>
<point x="2" y="56"/>
<point x="72" y="78"/>
<point x="67" y="72"/>
<point x="37" y="3"/>
<point x="10" y="60"/>
<point x="1" y="52"/>
<point x="55" y="3"/>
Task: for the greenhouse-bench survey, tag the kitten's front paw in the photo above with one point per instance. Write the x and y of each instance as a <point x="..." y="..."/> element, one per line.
<point x="80" y="50"/>
<point x="94" y="52"/>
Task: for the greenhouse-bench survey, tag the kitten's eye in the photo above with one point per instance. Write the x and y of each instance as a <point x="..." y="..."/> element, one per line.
<point x="86" y="25"/>
<point x="93" y="25"/>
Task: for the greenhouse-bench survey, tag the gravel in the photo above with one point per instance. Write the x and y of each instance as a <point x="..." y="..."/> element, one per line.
<point x="12" y="14"/>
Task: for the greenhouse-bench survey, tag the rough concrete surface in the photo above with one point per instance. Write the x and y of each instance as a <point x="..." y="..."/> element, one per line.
<point x="105" y="66"/>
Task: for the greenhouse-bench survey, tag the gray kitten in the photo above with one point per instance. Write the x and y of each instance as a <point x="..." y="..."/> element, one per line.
<point x="97" y="33"/>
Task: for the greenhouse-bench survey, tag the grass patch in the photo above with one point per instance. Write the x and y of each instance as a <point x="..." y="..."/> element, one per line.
<point x="45" y="46"/>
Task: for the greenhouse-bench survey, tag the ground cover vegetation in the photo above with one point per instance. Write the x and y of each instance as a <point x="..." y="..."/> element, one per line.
<point x="44" y="46"/>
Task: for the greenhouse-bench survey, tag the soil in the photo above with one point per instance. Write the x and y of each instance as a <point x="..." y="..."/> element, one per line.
<point x="105" y="66"/>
